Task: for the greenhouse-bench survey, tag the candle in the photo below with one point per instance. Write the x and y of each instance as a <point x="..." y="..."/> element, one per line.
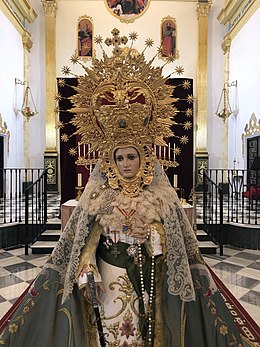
<point x="174" y="148"/>
<point x="78" y="149"/>
<point x="160" y="152"/>
<point x="169" y="150"/>
<point x="175" y="181"/>
<point x="79" y="179"/>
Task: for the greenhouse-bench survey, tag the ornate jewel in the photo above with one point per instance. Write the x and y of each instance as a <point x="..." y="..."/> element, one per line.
<point x="126" y="227"/>
<point x="132" y="250"/>
<point x="123" y="101"/>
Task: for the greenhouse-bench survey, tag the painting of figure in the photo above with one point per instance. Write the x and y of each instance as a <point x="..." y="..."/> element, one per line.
<point x="127" y="10"/>
<point x="168" y="37"/>
<point x="85" y="35"/>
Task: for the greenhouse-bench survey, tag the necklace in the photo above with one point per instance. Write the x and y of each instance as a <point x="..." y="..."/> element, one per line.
<point x="132" y="250"/>
<point x="126" y="227"/>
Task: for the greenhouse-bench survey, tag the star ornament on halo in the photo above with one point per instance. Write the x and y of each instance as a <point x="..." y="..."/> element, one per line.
<point x="179" y="70"/>
<point x="59" y="125"/>
<point x="190" y="99"/>
<point x="149" y="42"/>
<point x="66" y="70"/>
<point x="98" y="39"/>
<point x="57" y="97"/>
<point x="74" y="58"/>
<point x="64" y="138"/>
<point x="186" y="84"/>
<point x="72" y="152"/>
<point x="61" y="82"/>
<point x="189" y="112"/>
<point x="56" y="110"/>
<point x="184" y="140"/>
<point x="187" y="125"/>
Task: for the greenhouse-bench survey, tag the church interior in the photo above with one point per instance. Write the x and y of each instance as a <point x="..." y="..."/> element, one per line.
<point x="208" y="50"/>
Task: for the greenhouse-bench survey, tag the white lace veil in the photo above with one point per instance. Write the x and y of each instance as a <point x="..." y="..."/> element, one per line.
<point x="181" y="240"/>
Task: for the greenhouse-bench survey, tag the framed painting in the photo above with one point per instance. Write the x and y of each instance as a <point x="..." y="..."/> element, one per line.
<point x="169" y="38"/>
<point x="127" y="10"/>
<point x="85" y="37"/>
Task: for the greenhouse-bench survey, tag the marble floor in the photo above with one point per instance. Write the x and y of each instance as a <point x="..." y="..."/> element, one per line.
<point x="238" y="269"/>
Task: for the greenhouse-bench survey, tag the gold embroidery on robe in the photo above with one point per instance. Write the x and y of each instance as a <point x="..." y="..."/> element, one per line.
<point x="88" y="251"/>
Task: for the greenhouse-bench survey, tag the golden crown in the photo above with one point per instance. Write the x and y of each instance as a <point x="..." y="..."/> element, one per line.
<point x="122" y="97"/>
<point x="123" y="100"/>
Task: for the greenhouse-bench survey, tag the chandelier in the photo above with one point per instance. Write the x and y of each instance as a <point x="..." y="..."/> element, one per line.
<point x="224" y="109"/>
<point x="28" y="108"/>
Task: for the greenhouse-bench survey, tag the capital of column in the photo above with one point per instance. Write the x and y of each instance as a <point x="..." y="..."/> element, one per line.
<point x="226" y="44"/>
<point x="27" y="41"/>
<point x="50" y="7"/>
<point x="203" y="8"/>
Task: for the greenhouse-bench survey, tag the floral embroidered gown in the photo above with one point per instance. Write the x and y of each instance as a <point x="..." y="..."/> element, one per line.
<point x="165" y="297"/>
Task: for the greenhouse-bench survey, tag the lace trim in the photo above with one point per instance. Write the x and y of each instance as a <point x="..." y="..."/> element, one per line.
<point x="156" y="202"/>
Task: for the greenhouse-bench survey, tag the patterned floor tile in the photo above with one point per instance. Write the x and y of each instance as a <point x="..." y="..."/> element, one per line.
<point x="239" y="261"/>
<point x="251" y="297"/>
<point x="2" y="299"/>
<point x="28" y="275"/>
<point x="3" y="272"/>
<point x="247" y="272"/>
<point x="246" y="255"/>
<point x="19" y="267"/>
<point x="255" y="265"/>
<point x="7" y="281"/>
<point x="224" y="266"/>
<point x="13" y="291"/>
<point x="243" y="281"/>
<point x="5" y="255"/>
<point x="236" y="290"/>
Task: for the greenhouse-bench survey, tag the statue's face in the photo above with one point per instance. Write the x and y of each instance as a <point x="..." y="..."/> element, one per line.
<point x="127" y="161"/>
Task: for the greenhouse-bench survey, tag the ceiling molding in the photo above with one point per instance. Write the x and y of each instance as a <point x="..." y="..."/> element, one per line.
<point x="236" y="14"/>
<point x="20" y="14"/>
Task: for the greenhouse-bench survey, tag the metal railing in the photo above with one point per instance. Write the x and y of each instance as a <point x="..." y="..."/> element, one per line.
<point x="13" y="183"/>
<point x="35" y="210"/>
<point x="241" y="195"/>
<point x="23" y="201"/>
<point x="213" y="210"/>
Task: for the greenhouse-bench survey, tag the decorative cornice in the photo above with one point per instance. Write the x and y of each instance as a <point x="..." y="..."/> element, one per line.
<point x="50" y="7"/>
<point x="236" y="14"/>
<point x="25" y="9"/>
<point x="19" y="12"/>
<point x="203" y="8"/>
